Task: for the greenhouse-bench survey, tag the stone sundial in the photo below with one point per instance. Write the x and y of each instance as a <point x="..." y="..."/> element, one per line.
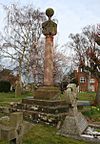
<point x="49" y="30"/>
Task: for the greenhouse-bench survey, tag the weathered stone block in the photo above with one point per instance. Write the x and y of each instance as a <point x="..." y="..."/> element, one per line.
<point x="47" y="92"/>
<point x="8" y="133"/>
<point x="13" y="127"/>
<point x="74" y="125"/>
<point x="16" y="118"/>
<point x="45" y="110"/>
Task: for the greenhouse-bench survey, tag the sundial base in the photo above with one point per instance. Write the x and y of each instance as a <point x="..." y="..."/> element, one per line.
<point x="47" y="93"/>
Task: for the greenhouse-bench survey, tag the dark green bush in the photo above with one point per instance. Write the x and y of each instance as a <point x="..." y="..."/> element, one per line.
<point x="5" y="86"/>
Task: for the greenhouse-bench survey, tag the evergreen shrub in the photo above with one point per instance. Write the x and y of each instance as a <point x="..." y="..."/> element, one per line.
<point x="5" y="86"/>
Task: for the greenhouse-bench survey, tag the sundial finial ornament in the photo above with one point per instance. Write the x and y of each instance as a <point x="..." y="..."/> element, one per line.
<point x="49" y="12"/>
<point x="49" y="27"/>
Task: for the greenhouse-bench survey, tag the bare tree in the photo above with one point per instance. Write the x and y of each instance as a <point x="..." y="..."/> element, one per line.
<point x="35" y="66"/>
<point x="21" y="35"/>
<point x="87" y="53"/>
<point x="61" y="63"/>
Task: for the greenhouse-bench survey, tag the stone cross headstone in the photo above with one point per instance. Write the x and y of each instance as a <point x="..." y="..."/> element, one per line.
<point x="71" y="98"/>
<point x="74" y="123"/>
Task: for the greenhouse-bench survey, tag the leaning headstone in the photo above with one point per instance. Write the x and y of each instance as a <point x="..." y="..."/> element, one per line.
<point x="74" y="123"/>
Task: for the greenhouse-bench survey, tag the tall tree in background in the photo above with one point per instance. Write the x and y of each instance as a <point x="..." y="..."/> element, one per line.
<point x="22" y="32"/>
<point x="87" y="54"/>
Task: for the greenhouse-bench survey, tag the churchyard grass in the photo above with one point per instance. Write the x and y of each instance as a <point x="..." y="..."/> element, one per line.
<point x="3" y="142"/>
<point x="43" y="134"/>
<point x="91" y="112"/>
<point x="6" y="98"/>
<point x="89" y="96"/>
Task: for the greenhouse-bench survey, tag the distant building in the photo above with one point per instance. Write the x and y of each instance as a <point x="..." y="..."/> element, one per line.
<point x="6" y="74"/>
<point x="86" y="81"/>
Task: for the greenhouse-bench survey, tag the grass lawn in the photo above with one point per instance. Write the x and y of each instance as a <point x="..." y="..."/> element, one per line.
<point x="87" y="96"/>
<point x="44" y="134"/>
<point x="91" y="112"/>
<point x="6" y="98"/>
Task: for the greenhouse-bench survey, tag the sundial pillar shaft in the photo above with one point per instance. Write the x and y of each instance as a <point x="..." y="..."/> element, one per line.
<point x="48" y="61"/>
<point x="49" y="29"/>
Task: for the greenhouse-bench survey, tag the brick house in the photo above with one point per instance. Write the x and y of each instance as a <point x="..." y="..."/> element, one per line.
<point x="86" y="81"/>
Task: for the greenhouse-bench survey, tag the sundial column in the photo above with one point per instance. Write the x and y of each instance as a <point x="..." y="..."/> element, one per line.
<point x="49" y="29"/>
<point x="48" y="91"/>
<point x="48" y="62"/>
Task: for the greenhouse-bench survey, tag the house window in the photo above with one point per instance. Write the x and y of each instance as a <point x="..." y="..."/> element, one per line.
<point x="92" y="81"/>
<point x="82" y="79"/>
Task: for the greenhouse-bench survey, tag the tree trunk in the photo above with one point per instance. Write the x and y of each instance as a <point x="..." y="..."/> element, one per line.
<point x="97" y="99"/>
<point x="20" y="73"/>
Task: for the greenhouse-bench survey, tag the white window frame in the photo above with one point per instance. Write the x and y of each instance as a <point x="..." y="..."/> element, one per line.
<point x="92" y="81"/>
<point x="82" y="79"/>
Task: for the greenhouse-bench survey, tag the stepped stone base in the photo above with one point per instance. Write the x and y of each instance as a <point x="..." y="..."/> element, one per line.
<point x="47" y="111"/>
<point x="47" y="92"/>
<point x="74" y="125"/>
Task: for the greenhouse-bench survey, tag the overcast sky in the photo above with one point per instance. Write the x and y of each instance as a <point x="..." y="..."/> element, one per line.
<point x="72" y="15"/>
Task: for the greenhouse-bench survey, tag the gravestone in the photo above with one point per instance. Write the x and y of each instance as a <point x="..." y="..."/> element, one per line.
<point x="17" y="89"/>
<point x="74" y="123"/>
<point x="13" y="127"/>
